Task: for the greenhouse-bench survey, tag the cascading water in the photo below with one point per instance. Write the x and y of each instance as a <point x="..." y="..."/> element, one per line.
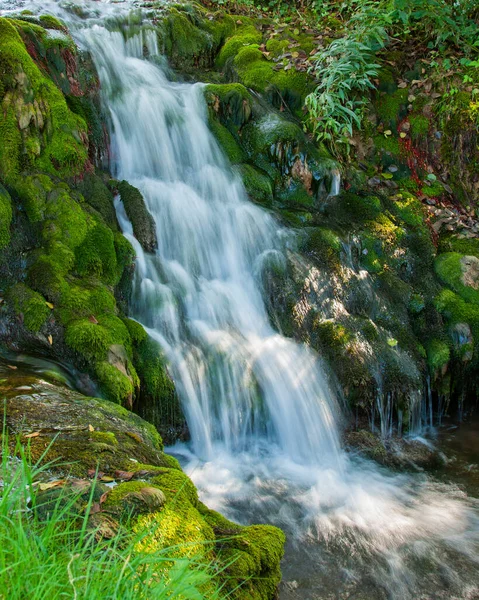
<point x="240" y="381"/>
<point x="262" y="418"/>
<point x="264" y="424"/>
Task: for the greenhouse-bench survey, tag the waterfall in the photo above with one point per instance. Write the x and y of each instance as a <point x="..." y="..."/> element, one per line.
<point x="240" y="382"/>
<point x="264" y="424"/>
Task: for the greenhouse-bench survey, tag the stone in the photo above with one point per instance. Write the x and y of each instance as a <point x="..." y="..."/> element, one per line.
<point x="470" y="271"/>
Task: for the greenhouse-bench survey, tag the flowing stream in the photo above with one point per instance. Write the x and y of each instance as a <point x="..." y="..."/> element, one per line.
<point x="264" y="423"/>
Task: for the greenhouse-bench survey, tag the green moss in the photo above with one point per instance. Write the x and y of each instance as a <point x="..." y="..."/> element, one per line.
<point x="117" y="329"/>
<point x="456" y="309"/>
<point x="231" y="103"/>
<point x="247" y="55"/>
<point x="186" y="44"/>
<point x="449" y="267"/>
<point x="78" y="301"/>
<point x="324" y="244"/>
<point x="104" y="437"/>
<point x="349" y="208"/>
<point x="247" y="36"/>
<point x="96" y="255"/>
<point x="99" y="197"/>
<point x="64" y="220"/>
<point x="258" y="185"/>
<point x="178" y="487"/>
<point x="227" y="142"/>
<point x="51" y="22"/>
<point x="265" y="545"/>
<point x="409" y="210"/>
<point x="116" y="494"/>
<point x="332" y="335"/>
<point x="137" y="333"/>
<point x="388" y="144"/>
<point x="438" y="354"/>
<point x="465" y="246"/>
<point x="31" y="98"/>
<point x="183" y="531"/>
<point x="262" y="137"/>
<point x="433" y="190"/>
<point x="46" y="276"/>
<point x="391" y="108"/>
<point x="419" y="126"/>
<point x="33" y="191"/>
<point x="160" y="403"/>
<point x="142" y="221"/>
<point x="115" y="385"/>
<point x="89" y="339"/>
<point x="30" y="305"/>
<point x="5" y="217"/>
<point x="295" y="196"/>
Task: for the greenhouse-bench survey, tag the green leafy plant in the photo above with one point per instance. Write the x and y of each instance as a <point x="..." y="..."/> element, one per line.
<point x="345" y="70"/>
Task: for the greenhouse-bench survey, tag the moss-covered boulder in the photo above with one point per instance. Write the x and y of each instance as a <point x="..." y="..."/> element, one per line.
<point x="38" y="130"/>
<point x="152" y="497"/>
<point x="141" y="219"/>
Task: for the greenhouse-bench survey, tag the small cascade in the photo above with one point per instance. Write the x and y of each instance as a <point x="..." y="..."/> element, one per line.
<point x="241" y="383"/>
<point x="264" y="423"/>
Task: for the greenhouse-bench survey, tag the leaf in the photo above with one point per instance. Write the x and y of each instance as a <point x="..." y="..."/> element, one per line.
<point x="387" y="133"/>
<point x="50" y="340"/>
<point x="49" y="304"/>
<point x="402" y="135"/>
<point x="124" y="475"/>
<point x="107" y="479"/>
<point x="43" y="487"/>
<point x="92" y="319"/>
<point x="91" y="428"/>
<point x="33" y="435"/>
<point x="392" y="342"/>
<point x="103" y="497"/>
<point x="92" y="473"/>
<point x="387" y="175"/>
<point x="13" y="367"/>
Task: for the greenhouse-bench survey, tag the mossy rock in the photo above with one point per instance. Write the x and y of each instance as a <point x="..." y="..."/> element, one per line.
<point x="29" y="305"/>
<point x="244" y="37"/>
<point x="97" y="194"/>
<point x="227" y="142"/>
<point x="38" y="130"/>
<point x="258" y="184"/>
<point x="79" y="433"/>
<point x="231" y="103"/>
<point x="352" y="209"/>
<point x="143" y="223"/>
<point x="191" y="38"/>
<point x="324" y="244"/>
<point x="158" y="401"/>
<point x="438" y="355"/>
<point x="460" y="273"/>
<point x="96" y="255"/>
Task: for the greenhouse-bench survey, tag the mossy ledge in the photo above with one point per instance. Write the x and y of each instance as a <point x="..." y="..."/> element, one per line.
<point x="80" y="436"/>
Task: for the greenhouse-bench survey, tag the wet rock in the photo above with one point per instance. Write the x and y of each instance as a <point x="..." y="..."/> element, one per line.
<point x="143" y="223"/>
<point x="470" y="271"/>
